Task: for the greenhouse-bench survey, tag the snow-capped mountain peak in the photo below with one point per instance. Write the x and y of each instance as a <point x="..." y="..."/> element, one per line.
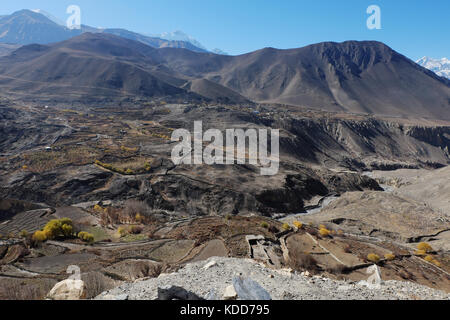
<point x="49" y="16"/>
<point x="439" y="66"/>
<point x="181" y="36"/>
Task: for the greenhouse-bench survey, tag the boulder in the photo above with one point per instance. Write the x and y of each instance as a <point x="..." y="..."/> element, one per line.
<point x="14" y="253"/>
<point x="210" y="265"/>
<point x="247" y="289"/>
<point x="176" y="293"/>
<point x="68" y="290"/>
<point x="230" y="293"/>
<point x="212" y="295"/>
<point x="306" y="274"/>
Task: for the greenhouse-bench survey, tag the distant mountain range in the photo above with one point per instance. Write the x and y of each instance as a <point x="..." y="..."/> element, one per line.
<point x="38" y="27"/>
<point x="181" y="36"/>
<point x="359" y="77"/>
<point x="439" y="66"/>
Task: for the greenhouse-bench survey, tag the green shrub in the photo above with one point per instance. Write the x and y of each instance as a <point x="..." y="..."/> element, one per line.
<point x="372" y="257"/>
<point x="58" y="228"/>
<point x="67" y="230"/>
<point x="436" y="263"/>
<point x="86" y="236"/>
<point x="298" y="224"/>
<point x="23" y="234"/>
<point x="265" y="225"/>
<point x="135" y="230"/>
<point x="425" y="247"/>
<point x="122" y="231"/>
<point x="324" y="232"/>
<point x="39" y="236"/>
<point x="420" y="252"/>
<point x="389" y="256"/>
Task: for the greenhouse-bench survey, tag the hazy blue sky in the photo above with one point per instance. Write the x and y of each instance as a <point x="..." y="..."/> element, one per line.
<point x="414" y="28"/>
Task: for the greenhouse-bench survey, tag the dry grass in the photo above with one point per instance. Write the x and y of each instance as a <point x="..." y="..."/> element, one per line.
<point x="301" y="261"/>
<point x="44" y="161"/>
<point x="18" y="289"/>
<point x="132" y="212"/>
<point x="96" y="283"/>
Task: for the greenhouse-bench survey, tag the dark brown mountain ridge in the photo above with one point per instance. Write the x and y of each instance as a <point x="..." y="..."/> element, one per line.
<point x="358" y="77"/>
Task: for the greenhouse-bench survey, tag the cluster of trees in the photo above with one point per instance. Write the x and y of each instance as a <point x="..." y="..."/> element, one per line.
<point x="60" y="229"/>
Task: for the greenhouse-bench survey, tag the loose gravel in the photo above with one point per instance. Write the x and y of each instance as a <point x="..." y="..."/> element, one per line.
<point x="281" y="284"/>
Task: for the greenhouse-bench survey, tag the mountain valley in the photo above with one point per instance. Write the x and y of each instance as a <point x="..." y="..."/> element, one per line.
<point x="87" y="177"/>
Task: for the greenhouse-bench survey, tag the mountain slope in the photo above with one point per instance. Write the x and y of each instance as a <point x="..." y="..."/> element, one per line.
<point x="91" y="64"/>
<point x="214" y="91"/>
<point x="96" y="65"/>
<point x="361" y="77"/>
<point x="26" y="27"/>
<point x="6" y="49"/>
<point x="50" y="16"/>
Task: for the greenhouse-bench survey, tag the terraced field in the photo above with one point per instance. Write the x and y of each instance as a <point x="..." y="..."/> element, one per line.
<point x="29" y="221"/>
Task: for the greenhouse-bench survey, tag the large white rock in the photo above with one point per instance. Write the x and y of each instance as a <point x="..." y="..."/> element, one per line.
<point x="210" y="264"/>
<point x="68" y="290"/>
<point x="230" y="293"/>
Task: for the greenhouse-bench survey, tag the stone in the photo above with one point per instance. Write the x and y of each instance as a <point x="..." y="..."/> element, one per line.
<point x="68" y="289"/>
<point x="13" y="254"/>
<point x="375" y="278"/>
<point x="176" y="293"/>
<point x="121" y="297"/>
<point x="111" y="297"/>
<point x="212" y="295"/>
<point x="247" y="289"/>
<point x="210" y="265"/>
<point x="230" y="293"/>
<point x="306" y="274"/>
<point x="286" y="272"/>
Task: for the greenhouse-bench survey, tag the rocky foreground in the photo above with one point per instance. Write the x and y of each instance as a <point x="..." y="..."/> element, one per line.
<point x="213" y="279"/>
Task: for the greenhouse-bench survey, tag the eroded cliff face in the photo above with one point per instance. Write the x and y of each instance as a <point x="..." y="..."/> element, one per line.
<point x="319" y="155"/>
<point x="187" y="193"/>
<point x="436" y="136"/>
<point x="366" y="144"/>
